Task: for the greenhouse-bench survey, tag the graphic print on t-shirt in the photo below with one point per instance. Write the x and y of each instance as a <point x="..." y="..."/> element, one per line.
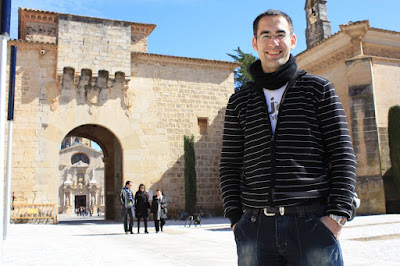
<point x="272" y="110"/>
<point x="273" y="99"/>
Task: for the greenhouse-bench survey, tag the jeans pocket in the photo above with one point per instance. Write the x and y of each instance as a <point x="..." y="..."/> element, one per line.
<point x="324" y="228"/>
<point x="240" y="220"/>
<point x="242" y="226"/>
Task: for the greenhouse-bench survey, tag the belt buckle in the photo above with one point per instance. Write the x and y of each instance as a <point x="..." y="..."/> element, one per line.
<point x="282" y="210"/>
<point x="267" y="213"/>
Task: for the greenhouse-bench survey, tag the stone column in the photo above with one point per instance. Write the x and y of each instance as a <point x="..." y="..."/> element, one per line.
<point x="369" y="183"/>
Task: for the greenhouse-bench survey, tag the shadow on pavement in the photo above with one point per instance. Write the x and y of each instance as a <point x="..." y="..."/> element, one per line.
<point x="220" y="229"/>
<point x="108" y="234"/>
<point x="82" y="220"/>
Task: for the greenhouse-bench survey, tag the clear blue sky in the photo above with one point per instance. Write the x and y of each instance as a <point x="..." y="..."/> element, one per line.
<point x="212" y="28"/>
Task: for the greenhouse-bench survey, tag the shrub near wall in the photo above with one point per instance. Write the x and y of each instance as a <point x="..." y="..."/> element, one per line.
<point x="394" y="142"/>
<point x="190" y="175"/>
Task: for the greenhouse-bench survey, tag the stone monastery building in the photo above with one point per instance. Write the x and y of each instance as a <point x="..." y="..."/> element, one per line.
<point x="93" y="78"/>
<point x="81" y="177"/>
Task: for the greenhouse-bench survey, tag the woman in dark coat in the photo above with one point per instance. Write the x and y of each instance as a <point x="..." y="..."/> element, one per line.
<point x="142" y="205"/>
<point x="159" y="210"/>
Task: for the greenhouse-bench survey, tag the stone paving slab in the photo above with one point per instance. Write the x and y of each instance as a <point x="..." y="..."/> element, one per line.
<point x="373" y="240"/>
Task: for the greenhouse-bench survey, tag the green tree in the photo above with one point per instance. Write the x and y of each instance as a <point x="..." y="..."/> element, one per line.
<point x="190" y="174"/>
<point x="394" y="142"/>
<point x="242" y="75"/>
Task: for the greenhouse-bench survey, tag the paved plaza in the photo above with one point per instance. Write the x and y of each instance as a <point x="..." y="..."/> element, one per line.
<point x="368" y="240"/>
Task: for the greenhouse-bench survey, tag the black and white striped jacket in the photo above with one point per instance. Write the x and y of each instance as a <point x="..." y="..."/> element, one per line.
<point x="309" y="157"/>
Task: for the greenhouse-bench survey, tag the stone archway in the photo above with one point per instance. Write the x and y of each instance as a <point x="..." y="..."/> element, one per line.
<point x="112" y="152"/>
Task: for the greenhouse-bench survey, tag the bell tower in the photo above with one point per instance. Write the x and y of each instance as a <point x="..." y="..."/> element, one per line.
<point x="318" y="25"/>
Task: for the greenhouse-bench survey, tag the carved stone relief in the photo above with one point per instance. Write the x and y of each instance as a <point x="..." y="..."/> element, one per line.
<point x="68" y="85"/>
<point x="53" y="93"/>
<point x="90" y="90"/>
<point x="129" y="99"/>
<point x="92" y="94"/>
<point x="319" y="65"/>
<point x="85" y="79"/>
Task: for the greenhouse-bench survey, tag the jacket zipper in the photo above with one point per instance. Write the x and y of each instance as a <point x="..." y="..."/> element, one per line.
<point x="273" y="142"/>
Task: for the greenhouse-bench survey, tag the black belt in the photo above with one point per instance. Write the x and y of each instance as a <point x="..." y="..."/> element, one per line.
<point x="300" y="210"/>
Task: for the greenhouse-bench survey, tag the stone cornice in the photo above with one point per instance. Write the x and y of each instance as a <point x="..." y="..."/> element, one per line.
<point x="386" y="31"/>
<point x="40" y="16"/>
<point x="318" y="65"/>
<point x="370" y="50"/>
<point x="375" y="50"/>
<point x="326" y="49"/>
<point x="394" y="60"/>
<point x="33" y="44"/>
<point x="142" y="29"/>
<point x="354" y="39"/>
<point x="32" y="15"/>
<point x="78" y="148"/>
<point x="355" y="29"/>
<point x="186" y="60"/>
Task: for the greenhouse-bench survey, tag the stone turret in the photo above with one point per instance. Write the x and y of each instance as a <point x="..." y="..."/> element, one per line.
<point x="318" y="25"/>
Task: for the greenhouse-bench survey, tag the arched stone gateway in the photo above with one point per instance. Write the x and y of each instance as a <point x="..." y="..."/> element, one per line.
<point x="112" y="158"/>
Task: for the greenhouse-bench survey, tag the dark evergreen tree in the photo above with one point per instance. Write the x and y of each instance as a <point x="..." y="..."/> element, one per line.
<point x="242" y="75"/>
<point x="394" y="142"/>
<point x="190" y="175"/>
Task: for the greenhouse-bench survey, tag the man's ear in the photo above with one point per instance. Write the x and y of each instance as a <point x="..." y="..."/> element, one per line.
<point x="254" y="43"/>
<point x="293" y="41"/>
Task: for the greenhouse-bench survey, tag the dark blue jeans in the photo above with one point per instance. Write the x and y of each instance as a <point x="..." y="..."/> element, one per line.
<point x="128" y="214"/>
<point x="285" y="240"/>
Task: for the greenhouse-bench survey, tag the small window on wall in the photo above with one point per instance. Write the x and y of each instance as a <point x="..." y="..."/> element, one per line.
<point x="203" y="125"/>
<point x="79" y="157"/>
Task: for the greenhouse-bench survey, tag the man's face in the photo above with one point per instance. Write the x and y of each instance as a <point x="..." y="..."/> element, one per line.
<point x="129" y="185"/>
<point x="274" y="42"/>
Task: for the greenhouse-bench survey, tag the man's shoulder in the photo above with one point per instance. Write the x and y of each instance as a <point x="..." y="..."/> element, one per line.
<point x="245" y="92"/>
<point x="313" y="79"/>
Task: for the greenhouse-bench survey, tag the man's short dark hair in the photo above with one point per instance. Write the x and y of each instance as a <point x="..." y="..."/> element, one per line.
<point x="127" y="183"/>
<point x="272" y="12"/>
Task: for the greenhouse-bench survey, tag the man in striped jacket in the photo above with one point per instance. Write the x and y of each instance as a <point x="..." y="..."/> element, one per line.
<point x="287" y="169"/>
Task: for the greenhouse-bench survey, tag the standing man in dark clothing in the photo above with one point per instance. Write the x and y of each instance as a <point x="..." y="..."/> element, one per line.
<point x="287" y="170"/>
<point x="127" y="206"/>
<point x="142" y="207"/>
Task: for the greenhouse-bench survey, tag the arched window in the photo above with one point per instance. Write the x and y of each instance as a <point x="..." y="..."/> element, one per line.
<point x="79" y="157"/>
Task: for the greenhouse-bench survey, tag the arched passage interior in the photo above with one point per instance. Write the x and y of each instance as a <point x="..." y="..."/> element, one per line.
<point x="112" y="152"/>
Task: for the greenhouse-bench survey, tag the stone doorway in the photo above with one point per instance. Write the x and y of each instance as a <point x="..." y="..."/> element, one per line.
<point x="80" y="201"/>
<point x="112" y="158"/>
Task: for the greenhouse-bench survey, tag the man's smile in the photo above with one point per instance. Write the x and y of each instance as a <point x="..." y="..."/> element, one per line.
<point x="274" y="52"/>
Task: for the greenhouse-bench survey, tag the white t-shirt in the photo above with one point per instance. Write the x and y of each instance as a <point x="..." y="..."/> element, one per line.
<point x="273" y="99"/>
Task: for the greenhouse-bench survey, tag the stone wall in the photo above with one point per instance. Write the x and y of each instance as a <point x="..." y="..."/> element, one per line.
<point x="181" y="93"/>
<point x="92" y="43"/>
<point x="353" y="82"/>
<point x="387" y="94"/>
<point x="31" y="180"/>
<point x="365" y="135"/>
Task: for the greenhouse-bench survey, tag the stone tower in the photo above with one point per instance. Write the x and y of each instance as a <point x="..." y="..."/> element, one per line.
<point x="318" y="25"/>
